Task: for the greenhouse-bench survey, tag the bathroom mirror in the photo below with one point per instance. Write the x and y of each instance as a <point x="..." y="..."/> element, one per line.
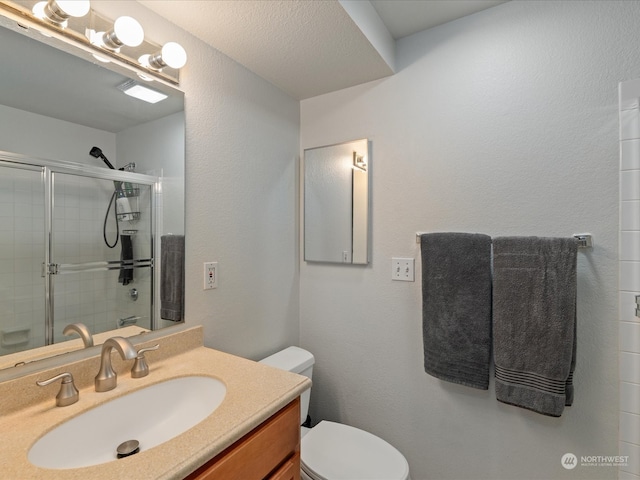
<point x="336" y="203"/>
<point x="56" y="103"/>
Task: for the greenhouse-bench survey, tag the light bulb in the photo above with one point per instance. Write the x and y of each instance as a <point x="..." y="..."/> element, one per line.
<point x="58" y="11"/>
<point x="74" y="8"/>
<point x="126" y="31"/>
<point x="129" y="31"/>
<point x="172" y="55"/>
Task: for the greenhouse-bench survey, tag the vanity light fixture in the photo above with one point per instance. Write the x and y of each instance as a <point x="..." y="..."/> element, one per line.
<point x="134" y="89"/>
<point x="359" y="162"/>
<point x="100" y="36"/>
<point x="125" y="31"/>
<point x="59" y="11"/>
<point x="171" y="55"/>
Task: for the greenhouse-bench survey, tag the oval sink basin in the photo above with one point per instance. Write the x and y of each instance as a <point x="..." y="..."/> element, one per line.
<point x="151" y="416"/>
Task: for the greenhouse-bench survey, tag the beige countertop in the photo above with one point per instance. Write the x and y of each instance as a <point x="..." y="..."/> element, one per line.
<point x="254" y="393"/>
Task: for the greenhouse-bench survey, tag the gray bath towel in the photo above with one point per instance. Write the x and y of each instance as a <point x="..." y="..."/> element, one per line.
<point x="534" y="322"/>
<point x="172" y="277"/>
<point x="456" y="307"/>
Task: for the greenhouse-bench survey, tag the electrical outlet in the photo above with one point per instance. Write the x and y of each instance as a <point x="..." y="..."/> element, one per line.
<point x="402" y="269"/>
<point x="210" y="275"/>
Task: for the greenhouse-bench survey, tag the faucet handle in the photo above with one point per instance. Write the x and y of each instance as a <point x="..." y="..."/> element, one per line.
<point x="140" y="367"/>
<point x="68" y="394"/>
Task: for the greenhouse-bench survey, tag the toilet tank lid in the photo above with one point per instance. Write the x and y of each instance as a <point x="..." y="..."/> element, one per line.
<point x="291" y="359"/>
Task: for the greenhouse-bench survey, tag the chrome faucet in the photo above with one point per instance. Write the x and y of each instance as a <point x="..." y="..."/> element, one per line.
<point x="107" y="379"/>
<point x="82" y="330"/>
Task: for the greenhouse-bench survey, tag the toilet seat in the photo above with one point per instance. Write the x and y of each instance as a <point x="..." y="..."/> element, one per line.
<point x="333" y="451"/>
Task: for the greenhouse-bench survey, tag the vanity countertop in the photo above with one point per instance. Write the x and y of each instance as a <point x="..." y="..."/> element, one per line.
<point x="254" y="393"/>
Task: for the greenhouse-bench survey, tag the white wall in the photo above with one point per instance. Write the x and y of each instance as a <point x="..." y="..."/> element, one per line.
<point x="503" y="123"/>
<point x="630" y="276"/>
<point x="52" y="139"/>
<point x="242" y="145"/>
<point x="157" y="148"/>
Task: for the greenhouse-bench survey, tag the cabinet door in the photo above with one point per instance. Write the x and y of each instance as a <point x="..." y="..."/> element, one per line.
<point x="289" y="471"/>
<point x="262" y="453"/>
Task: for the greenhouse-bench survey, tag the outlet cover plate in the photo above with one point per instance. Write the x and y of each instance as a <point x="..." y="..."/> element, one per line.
<point x="210" y="275"/>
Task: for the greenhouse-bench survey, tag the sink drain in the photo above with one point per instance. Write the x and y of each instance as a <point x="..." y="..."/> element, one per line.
<point x="130" y="447"/>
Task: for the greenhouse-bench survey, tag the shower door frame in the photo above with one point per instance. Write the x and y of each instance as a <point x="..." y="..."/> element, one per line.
<point x="49" y="167"/>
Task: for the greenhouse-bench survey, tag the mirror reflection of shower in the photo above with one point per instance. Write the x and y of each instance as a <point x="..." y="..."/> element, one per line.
<point x="125" y="209"/>
<point x="122" y="194"/>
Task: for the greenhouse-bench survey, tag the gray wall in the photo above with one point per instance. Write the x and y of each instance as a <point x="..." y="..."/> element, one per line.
<point x="503" y="123"/>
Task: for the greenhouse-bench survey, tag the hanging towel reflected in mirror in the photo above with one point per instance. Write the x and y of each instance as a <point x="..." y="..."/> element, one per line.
<point x="172" y="281"/>
<point x="126" y="254"/>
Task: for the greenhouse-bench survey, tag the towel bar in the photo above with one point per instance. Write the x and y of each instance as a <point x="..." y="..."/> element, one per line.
<point x="585" y="240"/>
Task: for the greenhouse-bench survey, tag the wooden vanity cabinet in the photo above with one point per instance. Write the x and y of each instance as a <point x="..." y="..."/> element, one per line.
<point x="270" y="451"/>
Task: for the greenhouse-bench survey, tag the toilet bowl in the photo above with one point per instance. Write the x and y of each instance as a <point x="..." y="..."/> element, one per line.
<point x="333" y="451"/>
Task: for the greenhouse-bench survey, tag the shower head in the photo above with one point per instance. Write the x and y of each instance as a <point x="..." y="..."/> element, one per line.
<point x="97" y="153"/>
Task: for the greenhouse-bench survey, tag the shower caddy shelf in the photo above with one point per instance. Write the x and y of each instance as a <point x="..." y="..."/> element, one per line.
<point x="128" y="192"/>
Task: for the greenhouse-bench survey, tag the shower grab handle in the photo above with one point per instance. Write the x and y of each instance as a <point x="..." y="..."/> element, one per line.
<point x="61" y="268"/>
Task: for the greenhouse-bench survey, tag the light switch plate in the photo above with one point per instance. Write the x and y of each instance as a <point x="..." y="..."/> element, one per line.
<point x="403" y="269"/>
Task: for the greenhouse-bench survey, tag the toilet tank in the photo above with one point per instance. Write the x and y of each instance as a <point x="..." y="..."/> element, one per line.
<point x="295" y="360"/>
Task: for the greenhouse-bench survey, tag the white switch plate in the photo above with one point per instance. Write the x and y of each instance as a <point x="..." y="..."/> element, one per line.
<point x="403" y="269"/>
<point x="210" y="275"/>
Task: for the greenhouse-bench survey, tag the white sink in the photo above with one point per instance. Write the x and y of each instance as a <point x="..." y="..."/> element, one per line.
<point x="151" y="416"/>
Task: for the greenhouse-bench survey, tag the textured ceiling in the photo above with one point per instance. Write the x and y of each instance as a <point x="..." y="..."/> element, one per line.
<point x="307" y="47"/>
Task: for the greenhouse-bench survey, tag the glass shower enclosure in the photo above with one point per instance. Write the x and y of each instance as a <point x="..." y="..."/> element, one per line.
<point x="76" y="245"/>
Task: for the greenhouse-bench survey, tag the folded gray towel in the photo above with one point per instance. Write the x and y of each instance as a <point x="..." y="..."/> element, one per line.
<point x="456" y="307"/>
<point x="172" y="277"/>
<point x="534" y="321"/>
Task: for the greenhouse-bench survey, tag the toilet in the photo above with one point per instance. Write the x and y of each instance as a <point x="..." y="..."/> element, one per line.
<point x="333" y="451"/>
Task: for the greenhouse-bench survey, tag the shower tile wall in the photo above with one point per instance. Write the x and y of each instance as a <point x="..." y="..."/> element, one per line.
<point x="629" y="325"/>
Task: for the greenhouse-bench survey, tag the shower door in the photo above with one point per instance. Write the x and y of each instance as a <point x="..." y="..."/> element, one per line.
<point x="76" y="245"/>
<point x="100" y="265"/>
<point x="22" y="240"/>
